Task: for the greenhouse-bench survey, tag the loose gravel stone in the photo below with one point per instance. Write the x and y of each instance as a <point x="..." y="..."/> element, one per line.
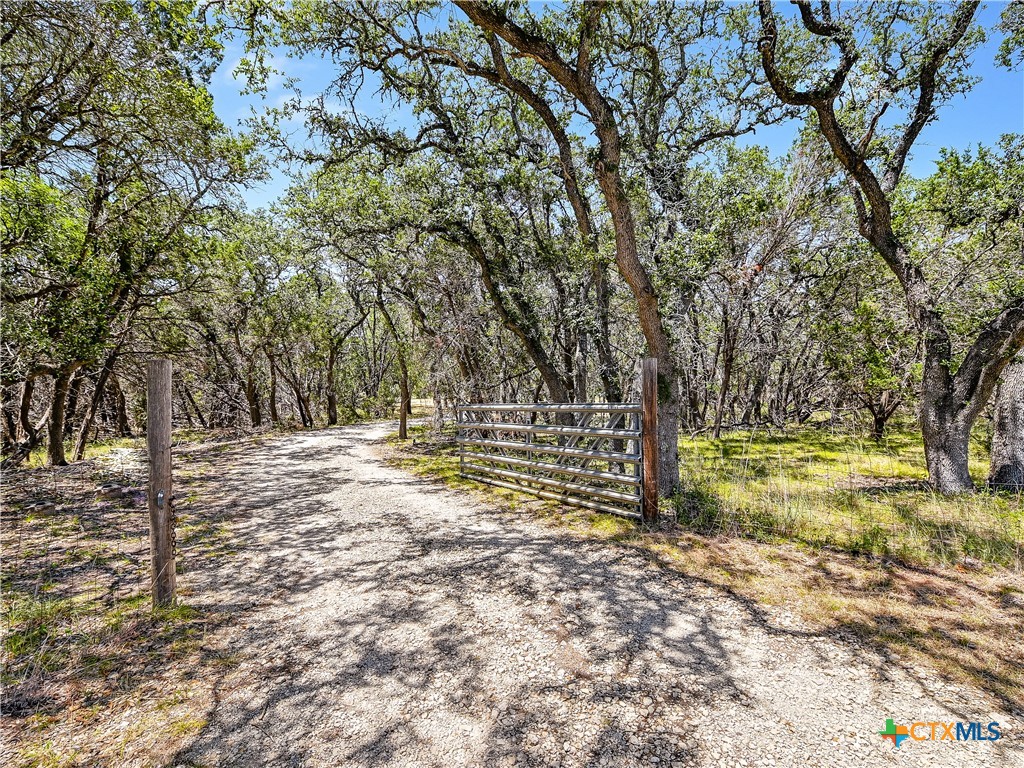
<point x="395" y="623"/>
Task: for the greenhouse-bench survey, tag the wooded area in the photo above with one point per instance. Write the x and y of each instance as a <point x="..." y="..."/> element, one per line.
<point x="547" y="384"/>
<point x="571" y="188"/>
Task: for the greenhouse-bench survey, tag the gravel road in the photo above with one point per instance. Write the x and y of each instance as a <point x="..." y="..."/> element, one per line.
<point x="391" y="622"/>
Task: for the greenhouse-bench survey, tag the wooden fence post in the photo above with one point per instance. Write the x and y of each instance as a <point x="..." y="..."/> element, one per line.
<point x="649" y="407"/>
<point x="161" y="508"/>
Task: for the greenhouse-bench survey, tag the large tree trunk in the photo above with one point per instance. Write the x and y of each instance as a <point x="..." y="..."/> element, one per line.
<point x="1007" y="468"/>
<point x="55" y="429"/>
<point x="945" y="451"/>
<point x="951" y="402"/>
<point x="90" y="414"/>
<point x="252" y="398"/>
<point x="309" y="408"/>
<point x="608" y="366"/>
<point x="332" y="408"/>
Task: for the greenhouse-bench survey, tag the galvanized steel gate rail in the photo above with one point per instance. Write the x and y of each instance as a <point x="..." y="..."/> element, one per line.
<point x="586" y="454"/>
<point x="558" y="453"/>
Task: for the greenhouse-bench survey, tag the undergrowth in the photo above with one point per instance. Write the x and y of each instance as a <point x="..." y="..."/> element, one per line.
<point x="845" y="492"/>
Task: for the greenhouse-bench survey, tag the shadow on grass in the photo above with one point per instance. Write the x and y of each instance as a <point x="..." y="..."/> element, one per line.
<point x="758" y="556"/>
<point x="908" y="536"/>
<point x="948" y="540"/>
<point x="80" y="636"/>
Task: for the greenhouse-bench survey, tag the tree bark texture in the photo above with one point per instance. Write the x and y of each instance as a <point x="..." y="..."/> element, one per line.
<point x="1007" y="467"/>
<point x="578" y="80"/>
<point x="55" y="430"/>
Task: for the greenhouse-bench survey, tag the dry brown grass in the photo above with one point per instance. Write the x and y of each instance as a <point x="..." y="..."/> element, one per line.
<point x="91" y="674"/>
<point x="964" y="624"/>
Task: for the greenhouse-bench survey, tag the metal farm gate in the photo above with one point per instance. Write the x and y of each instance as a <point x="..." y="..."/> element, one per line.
<point x="602" y="456"/>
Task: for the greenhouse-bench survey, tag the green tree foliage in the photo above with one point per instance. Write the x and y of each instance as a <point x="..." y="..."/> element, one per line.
<point x="105" y="128"/>
<point x="906" y="62"/>
<point x="568" y="188"/>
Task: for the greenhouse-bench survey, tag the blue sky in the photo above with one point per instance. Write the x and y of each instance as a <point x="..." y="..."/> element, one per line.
<point x="995" y="106"/>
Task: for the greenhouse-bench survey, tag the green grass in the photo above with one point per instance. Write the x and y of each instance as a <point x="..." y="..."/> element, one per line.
<point x="815" y="487"/>
<point x="47" y="634"/>
<point x="844" y="491"/>
<point x="426" y="456"/>
<point x="46" y="755"/>
<point x="36" y="626"/>
<point x="37" y="458"/>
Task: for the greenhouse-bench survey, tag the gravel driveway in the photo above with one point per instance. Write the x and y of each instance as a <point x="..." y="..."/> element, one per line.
<point x="391" y="622"/>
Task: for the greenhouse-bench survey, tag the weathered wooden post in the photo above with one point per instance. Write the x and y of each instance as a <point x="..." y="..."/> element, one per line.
<point x="649" y="449"/>
<point x="161" y="508"/>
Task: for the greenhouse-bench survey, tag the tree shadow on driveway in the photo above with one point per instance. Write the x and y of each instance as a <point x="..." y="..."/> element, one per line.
<point x="381" y="620"/>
